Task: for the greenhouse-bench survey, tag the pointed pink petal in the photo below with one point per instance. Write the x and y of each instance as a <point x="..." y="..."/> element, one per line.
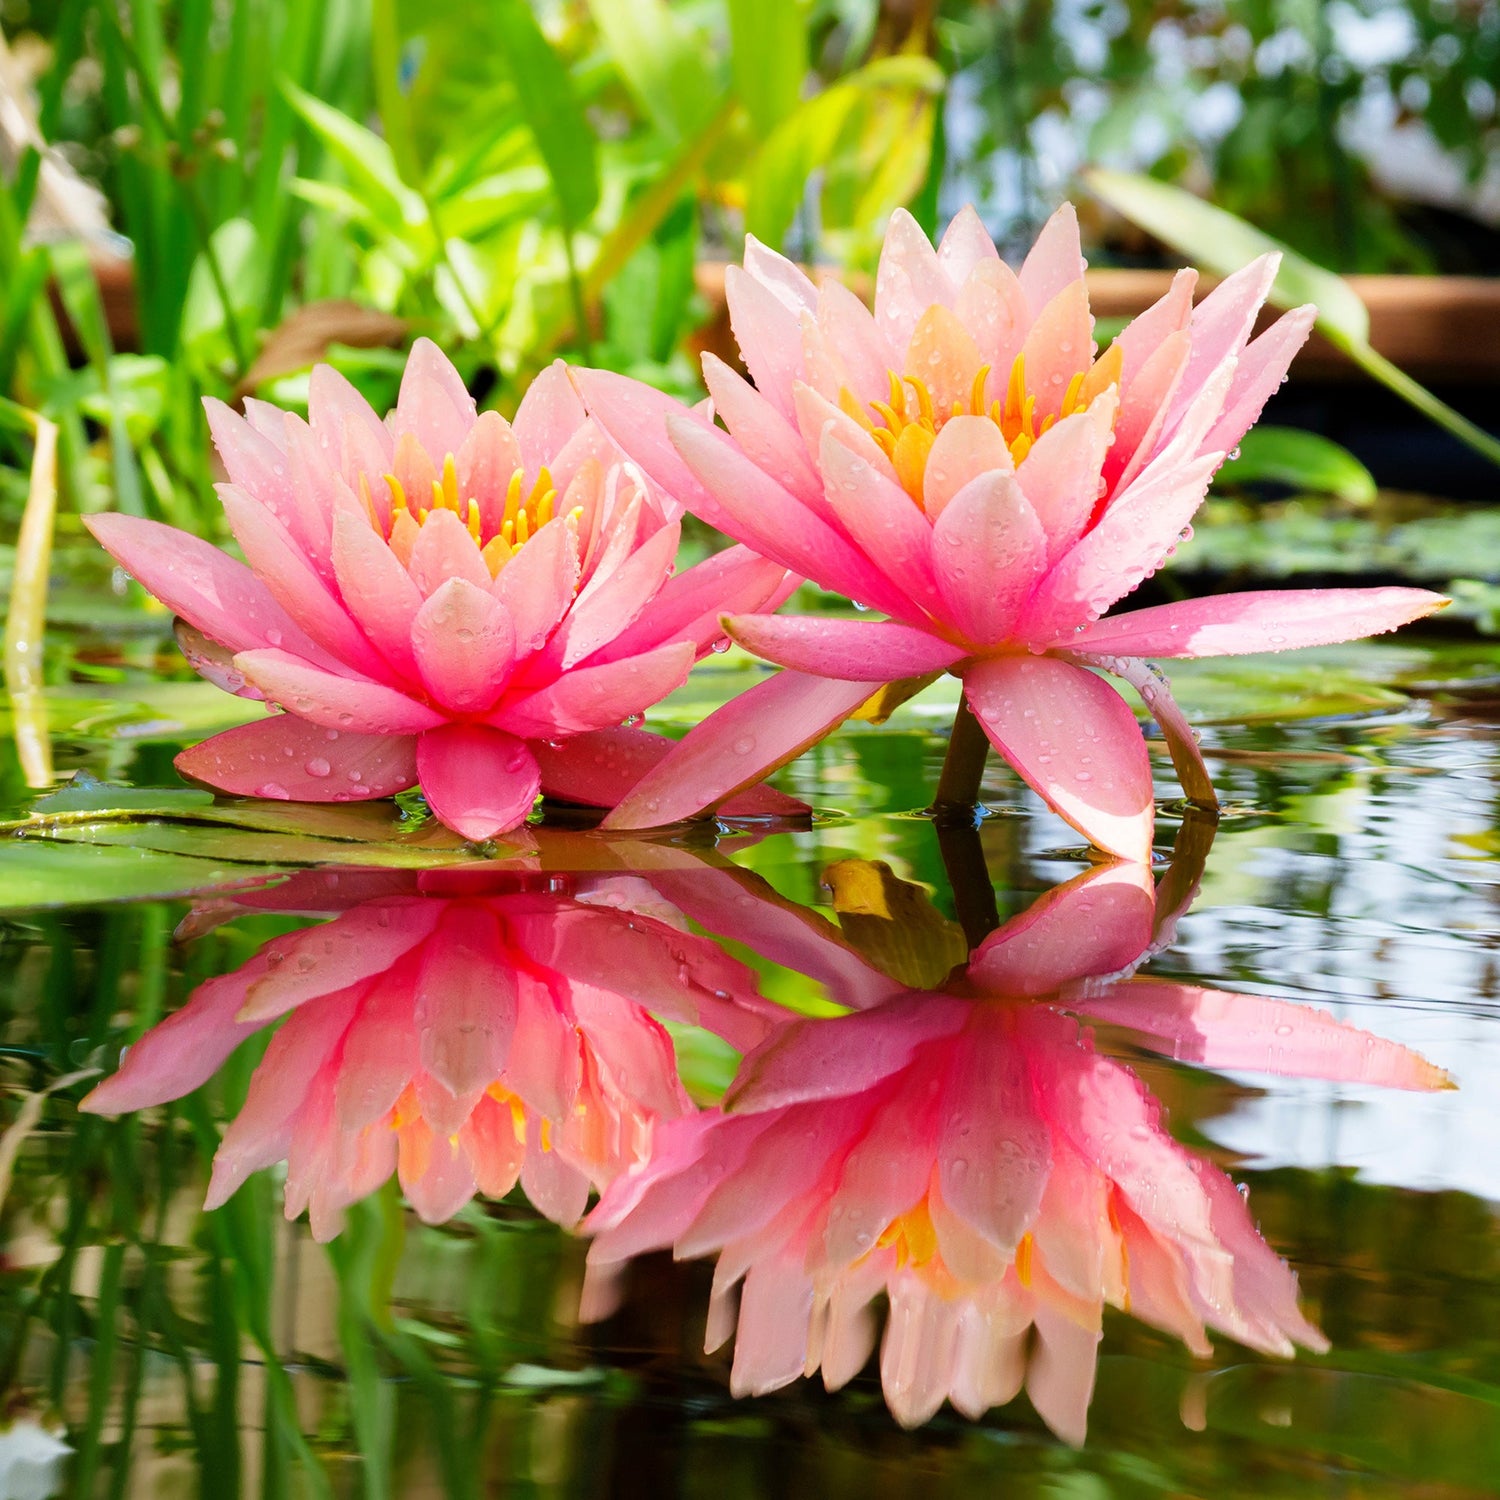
<point x="966" y="243"/>
<point x="1075" y="743"/>
<point x="179" y="1054"/>
<point x="770" y="441"/>
<point x="1273" y="620"/>
<point x="764" y="516"/>
<point x="348" y="432"/>
<point x="212" y="661"/>
<point x="1060" y="1374"/>
<point x="536" y="586"/>
<point x="988" y="550"/>
<point x="285" y="757"/>
<point x="689" y="604"/>
<point x="1061" y="476"/>
<point x="1182" y="743"/>
<point x="1256" y="1034"/>
<point x="1145" y="334"/>
<point x="1262" y="368"/>
<point x="918" y="1350"/>
<point x="480" y="782"/>
<point x="1145" y="402"/>
<point x="610" y="602"/>
<point x="856" y="341"/>
<point x="376" y="590"/>
<point x="908" y="281"/>
<point x="444" y="550"/>
<point x="322" y="961"/>
<point x="380" y="1051"/>
<point x="210" y="590"/>
<point x="943" y="356"/>
<point x="484" y="464"/>
<point x="295" y="584"/>
<point x="774" y="271"/>
<point x="738" y="745"/>
<point x="465" y="646"/>
<point x="1099" y="923"/>
<point x="600" y="768"/>
<point x="1059" y="345"/>
<point x="854" y="650"/>
<point x="1054" y="262"/>
<point x="549" y="414"/>
<point x="598" y="697"/>
<point x="465" y="996"/>
<point x="1222" y="322"/>
<point x="888" y="525"/>
<point x="333" y="701"/>
<point x="433" y="404"/>
<point x="769" y="336"/>
<point x="1129" y="542"/>
<point x="555" y="1188"/>
<point x="992" y="306"/>
<point x="966" y="447"/>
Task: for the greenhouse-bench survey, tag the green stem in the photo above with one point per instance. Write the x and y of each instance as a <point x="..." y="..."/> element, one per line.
<point x="1412" y="391"/>
<point x="963" y="765"/>
<point x="968" y="878"/>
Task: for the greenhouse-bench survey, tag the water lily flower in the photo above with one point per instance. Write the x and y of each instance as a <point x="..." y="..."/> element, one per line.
<point x="961" y="461"/>
<point x="461" y="1029"/>
<point x="440" y="598"/>
<point x="971" y="1156"/>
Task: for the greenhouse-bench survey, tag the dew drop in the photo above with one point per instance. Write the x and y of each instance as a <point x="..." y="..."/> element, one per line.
<point x="318" y="767"/>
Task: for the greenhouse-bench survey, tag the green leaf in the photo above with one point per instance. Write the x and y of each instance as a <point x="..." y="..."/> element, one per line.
<point x="768" y="57"/>
<point x="665" y="66"/>
<point x="1219" y="242"/>
<point x="1308" y="462"/>
<point x="545" y="93"/>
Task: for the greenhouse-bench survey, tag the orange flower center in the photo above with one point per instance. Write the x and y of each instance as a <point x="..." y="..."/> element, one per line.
<point x="524" y="513"/>
<point x="906" y="426"/>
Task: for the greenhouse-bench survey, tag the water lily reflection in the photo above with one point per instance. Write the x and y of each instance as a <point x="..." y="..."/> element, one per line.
<point x="970" y="1157"/>
<point x="461" y="1029"/>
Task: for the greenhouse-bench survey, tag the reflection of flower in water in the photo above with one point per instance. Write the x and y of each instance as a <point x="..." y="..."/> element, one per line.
<point x="980" y="1164"/>
<point x="462" y="1030"/>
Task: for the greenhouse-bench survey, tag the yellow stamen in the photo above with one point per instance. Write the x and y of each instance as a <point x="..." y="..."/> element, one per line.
<point x="450" y="482"/>
<point x="475" y="520"/>
<point x="909" y="457"/>
<point x="1024" y="1254"/>
<point x="398" y="495"/>
<point x="523" y="527"/>
<point x="512" y="499"/>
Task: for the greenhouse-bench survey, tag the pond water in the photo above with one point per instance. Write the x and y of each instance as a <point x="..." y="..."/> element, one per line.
<point x="1068" y="1121"/>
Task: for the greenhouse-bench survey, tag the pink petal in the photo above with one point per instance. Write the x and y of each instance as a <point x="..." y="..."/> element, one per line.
<point x="465" y="646"/>
<point x="212" y="661"/>
<point x="1054" y="262"/>
<point x="1273" y="620"/>
<point x="444" y="550"/>
<point x="908" y="281"/>
<point x="1222" y="322"/>
<point x="536" y="586"/>
<point x="989" y="550"/>
<point x="1182" y="743"/>
<point x="856" y="340"/>
<point x="1256" y="1034"/>
<point x="966" y="243"/>
<point x="869" y="651"/>
<point x="295" y="584"/>
<point x="479" y="781"/>
<point x="774" y="271"/>
<point x="1061" y="476"/>
<point x="1099" y="923"/>
<point x="549" y="415"/>
<point x="380" y="1051"/>
<point x="764" y="516"/>
<point x="761" y="730"/>
<point x="183" y="1052"/>
<point x="465" y="997"/>
<point x="285" y="757"/>
<point x="600" y="768"/>
<point x="354" y="440"/>
<point x="966" y="447"/>
<point x="433" y="404"/>
<point x="1059" y="345"/>
<point x="484" y="464"/>
<point x="992" y="306"/>
<point x="210" y="590"/>
<point x="1060" y="1374"/>
<point x="610" y="602"/>
<point x="599" y="697"/>
<point x="1129" y="542"/>
<point x="259" y="466"/>
<point x="1144" y="405"/>
<point x="331" y="700"/>
<point x="1074" y="742"/>
<point x="1262" y="368"/>
<point x="767" y="438"/>
<point x="768" y="333"/>
<point x="325" y="960"/>
<point x="943" y="356"/>
<point x="376" y="590"/>
<point x="1145" y="334"/>
<point x="887" y="524"/>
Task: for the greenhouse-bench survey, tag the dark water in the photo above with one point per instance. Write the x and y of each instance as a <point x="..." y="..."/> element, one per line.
<point x="1095" y="1130"/>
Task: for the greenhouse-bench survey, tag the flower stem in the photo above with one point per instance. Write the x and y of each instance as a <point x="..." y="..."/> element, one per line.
<point x="963" y="766"/>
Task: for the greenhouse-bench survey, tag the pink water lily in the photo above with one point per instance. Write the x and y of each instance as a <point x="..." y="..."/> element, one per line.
<point x="440" y="598"/>
<point x="982" y="1167"/>
<point x="462" y="1030"/>
<point x="960" y="461"/>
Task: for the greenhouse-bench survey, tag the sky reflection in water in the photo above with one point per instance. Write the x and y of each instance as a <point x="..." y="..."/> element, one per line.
<point x="936" y="1161"/>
